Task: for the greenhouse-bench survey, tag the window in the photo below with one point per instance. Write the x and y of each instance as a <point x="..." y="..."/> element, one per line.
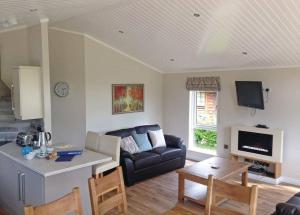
<point x="203" y="120"/>
<point x="200" y="97"/>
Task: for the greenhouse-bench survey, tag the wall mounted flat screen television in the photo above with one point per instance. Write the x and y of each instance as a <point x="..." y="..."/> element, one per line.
<point x="250" y="94"/>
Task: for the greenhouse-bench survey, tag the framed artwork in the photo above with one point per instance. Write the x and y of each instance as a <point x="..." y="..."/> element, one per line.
<point x="127" y="98"/>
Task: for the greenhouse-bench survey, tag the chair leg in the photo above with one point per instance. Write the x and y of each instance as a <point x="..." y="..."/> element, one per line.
<point x="121" y="206"/>
<point x="100" y="175"/>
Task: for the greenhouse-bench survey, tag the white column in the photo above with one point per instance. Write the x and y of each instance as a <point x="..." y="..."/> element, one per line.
<point x="46" y="75"/>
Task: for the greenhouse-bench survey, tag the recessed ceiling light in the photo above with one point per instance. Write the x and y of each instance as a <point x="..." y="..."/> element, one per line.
<point x="196" y="15"/>
<point x="121" y="32"/>
<point x="172" y="59"/>
<point x="244" y="53"/>
<point x="33" y="10"/>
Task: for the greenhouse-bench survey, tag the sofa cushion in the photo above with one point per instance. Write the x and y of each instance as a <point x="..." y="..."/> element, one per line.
<point x="128" y="144"/>
<point x="168" y="153"/>
<point x="145" y="128"/>
<point x="145" y="159"/>
<point x="294" y="200"/>
<point x="157" y="138"/>
<point x="142" y="141"/>
<point x="122" y="132"/>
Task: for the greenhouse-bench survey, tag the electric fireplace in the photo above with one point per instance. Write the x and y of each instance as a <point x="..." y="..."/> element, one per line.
<point x="255" y="143"/>
<point x="259" y="143"/>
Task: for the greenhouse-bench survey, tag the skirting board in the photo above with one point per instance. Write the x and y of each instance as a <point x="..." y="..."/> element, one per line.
<point x="282" y="179"/>
<point x="264" y="179"/>
<point x="292" y="181"/>
<point x="197" y="156"/>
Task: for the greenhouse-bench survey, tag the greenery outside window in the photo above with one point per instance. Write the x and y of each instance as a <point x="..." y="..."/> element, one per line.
<point x="204" y="121"/>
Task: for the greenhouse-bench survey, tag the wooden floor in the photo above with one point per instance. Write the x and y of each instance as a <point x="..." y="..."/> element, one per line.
<point x="159" y="195"/>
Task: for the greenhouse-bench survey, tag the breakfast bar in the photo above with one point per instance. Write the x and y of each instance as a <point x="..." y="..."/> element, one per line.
<point x="38" y="181"/>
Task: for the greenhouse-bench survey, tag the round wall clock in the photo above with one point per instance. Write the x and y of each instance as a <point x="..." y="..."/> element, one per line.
<point x="61" y="89"/>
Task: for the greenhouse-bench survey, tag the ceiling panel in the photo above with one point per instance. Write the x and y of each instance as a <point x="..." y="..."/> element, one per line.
<point x="155" y="31"/>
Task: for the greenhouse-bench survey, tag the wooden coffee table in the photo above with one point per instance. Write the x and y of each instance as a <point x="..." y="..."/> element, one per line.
<point x="197" y="175"/>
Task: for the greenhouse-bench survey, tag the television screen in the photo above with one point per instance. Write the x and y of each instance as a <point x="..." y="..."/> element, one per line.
<point x="250" y="94"/>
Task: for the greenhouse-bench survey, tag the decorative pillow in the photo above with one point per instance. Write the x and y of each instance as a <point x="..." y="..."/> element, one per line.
<point x="128" y="144"/>
<point x="157" y="138"/>
<point x="142" y="141"/>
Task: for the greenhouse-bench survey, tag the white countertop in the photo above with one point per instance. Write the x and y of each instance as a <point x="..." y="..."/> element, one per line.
<point x="50" y="167"/>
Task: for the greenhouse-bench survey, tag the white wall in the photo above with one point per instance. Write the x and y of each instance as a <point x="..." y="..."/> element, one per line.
<point x="105" y="67"/>
<point x="35" y="45"/>
<point x="282" y="110"/>
<point x="90" y="69"/>
<point x="14" y="51"/>
<point x="67" y="64"/>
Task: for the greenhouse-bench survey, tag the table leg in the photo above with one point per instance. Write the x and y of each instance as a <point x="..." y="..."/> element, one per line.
<point x="180" y="187"/>
<point x="245" y="178"/>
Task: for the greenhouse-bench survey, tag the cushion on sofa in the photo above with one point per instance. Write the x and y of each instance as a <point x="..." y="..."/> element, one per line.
<point x="122" y="132"/>
<point x="287" y="209"/>
<point x="145" y="159"/>
<point x="128" y="144"/>
<point x="168" y="153"/>
<point x="142" y="141"/>
<point x="294" y="200"/>
<point x="157" y="138"/>
<point x="145" y="128"/>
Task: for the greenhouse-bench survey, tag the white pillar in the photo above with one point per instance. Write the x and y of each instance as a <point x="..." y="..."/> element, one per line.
<point x="46" y="74"/>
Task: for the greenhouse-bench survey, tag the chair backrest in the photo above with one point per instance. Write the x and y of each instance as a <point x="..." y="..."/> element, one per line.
<point x="110" y="145"/>
<point x="218" y="190"/>
<point x="99" y="187"/>
<point x="106" y="144"/>
<point x="92" y="141"/>
<point x="65" y="205"/>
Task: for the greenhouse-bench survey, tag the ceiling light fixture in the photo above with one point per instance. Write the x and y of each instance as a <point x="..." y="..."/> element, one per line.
<point x="196" y="15"/>
<point x="244" y="53"/>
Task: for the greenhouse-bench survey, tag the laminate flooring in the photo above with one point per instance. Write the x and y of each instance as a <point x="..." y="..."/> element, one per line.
<point x="158" y="195"/>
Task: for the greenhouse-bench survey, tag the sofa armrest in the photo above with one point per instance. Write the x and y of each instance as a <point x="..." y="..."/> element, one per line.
<point x="125" y="154"/>
<point x="128" y="168"/>
<point x="287" y="209"/>
<point x="173" y="141"/>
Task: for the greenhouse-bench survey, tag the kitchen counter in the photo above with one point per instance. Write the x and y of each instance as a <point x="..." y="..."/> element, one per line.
<point x="48" y="168"/>
<point x="41" y="181"/>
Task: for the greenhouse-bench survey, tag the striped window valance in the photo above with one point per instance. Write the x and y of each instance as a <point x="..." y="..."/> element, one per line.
<point x="203" y="84"/>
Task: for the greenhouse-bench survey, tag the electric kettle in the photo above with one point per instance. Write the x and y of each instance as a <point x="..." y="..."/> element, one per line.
<point x="43" y="139"/>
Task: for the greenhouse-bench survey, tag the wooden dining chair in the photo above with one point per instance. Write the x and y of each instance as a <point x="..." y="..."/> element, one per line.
<point x="65" y="205"/>
<point x="218" y="190"/>
<point x="108" y="192"/>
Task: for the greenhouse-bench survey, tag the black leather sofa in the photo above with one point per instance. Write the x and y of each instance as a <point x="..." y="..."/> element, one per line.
<point x="143" y="165"/>
<point x="291" y="207"/>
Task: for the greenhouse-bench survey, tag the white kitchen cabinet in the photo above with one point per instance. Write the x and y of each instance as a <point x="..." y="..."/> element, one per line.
<point x="26" y="91"/>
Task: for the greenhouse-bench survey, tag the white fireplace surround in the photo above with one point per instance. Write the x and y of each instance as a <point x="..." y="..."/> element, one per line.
<point x="277" y="150"/>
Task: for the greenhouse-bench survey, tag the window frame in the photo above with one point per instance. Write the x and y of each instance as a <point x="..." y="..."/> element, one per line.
<point x="193" y="123"/>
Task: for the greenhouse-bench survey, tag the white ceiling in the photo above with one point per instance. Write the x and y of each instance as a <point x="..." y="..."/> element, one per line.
<point x="29" y="12"/>
<point x="156" y="31"/>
